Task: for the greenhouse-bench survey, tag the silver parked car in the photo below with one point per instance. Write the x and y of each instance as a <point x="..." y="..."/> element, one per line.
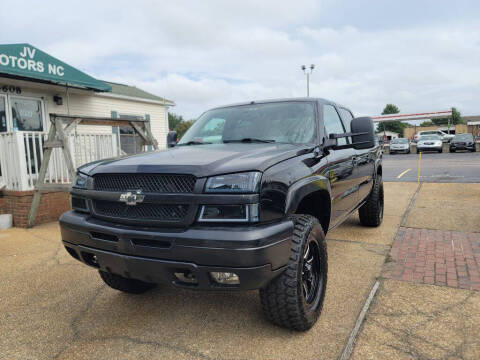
<point x="429" y="143"/>
<point x="443" y="135"/>
<point x="400" y="145"/>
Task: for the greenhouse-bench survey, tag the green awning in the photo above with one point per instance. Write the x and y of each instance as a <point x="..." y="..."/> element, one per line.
<point x="26" y="61"/>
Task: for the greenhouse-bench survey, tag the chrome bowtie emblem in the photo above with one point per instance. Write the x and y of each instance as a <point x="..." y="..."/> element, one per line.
<point x="132" y="198"/>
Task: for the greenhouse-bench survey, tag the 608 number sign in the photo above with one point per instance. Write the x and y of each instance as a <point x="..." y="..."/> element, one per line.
<point x="11" y="89"/>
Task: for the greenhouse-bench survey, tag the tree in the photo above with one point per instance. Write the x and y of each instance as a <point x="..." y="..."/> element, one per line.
<point x="394" y="126"/>
<point x="178" y="124"/>
<point x="174" y="120"/>
<point x="390" y="109"/>
<point x="182" y="127"/>
<point x="426" y="123"/>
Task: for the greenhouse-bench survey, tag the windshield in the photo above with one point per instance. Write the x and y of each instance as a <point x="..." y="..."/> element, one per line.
<point x="286" y="122"/>
<point x="463" y="137"/>
<point x="399" y="141"/>
<point x="430" y="137"/>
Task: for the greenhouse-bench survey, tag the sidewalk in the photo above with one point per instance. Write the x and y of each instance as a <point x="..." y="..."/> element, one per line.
<point x="428" y="304"/>
<point x="54" y="307"/>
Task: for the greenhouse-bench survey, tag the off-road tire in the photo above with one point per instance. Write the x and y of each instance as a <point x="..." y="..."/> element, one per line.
<point x="371" y="213"/>
<point x="283" y="300"/>
<point x="123" y="284"/>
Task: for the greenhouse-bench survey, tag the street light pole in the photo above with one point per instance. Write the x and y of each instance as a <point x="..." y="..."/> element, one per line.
<point x="308" y="72"/>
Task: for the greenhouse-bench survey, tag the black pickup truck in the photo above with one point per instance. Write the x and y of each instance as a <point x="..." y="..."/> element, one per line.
<point x="243" y="201"/>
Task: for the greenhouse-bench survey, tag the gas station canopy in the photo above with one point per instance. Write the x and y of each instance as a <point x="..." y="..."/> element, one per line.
<point x="417" y="116"/>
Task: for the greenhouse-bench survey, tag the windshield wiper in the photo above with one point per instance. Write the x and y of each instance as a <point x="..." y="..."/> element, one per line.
<point x="193" y="142"/>
<point x="248" y="140"/>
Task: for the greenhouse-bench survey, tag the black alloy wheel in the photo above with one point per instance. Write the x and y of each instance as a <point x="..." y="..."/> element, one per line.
<point x="311" y="277"/>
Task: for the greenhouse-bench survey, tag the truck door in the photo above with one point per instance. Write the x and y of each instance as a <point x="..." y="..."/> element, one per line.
<point x="340" y="168"/>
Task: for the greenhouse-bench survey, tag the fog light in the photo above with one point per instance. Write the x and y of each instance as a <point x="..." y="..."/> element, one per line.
<point x="226" y="278"/>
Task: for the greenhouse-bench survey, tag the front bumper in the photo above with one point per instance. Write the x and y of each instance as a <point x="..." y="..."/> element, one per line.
<point x="402" y="149"/>
<point x="457" y="146"/>
<point x="429" y="148"/>
<point x="255" y="253"/>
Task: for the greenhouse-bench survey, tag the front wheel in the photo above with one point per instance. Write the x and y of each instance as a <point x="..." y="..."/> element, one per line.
<point x="371" y="213"/>
<point x="440" y="151"/>
<point x="294" y="299"/>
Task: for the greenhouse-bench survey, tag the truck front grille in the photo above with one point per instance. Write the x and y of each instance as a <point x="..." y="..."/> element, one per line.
<point x="148" y="183"/>
<point x="142" y="211"/>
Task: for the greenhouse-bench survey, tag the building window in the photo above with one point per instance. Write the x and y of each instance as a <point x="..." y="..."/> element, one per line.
<point x="27" y="114"/>
<point x="3" y="115"/>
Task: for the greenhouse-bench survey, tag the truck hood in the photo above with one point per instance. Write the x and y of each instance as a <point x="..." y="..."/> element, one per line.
<point x="201" y="160"/>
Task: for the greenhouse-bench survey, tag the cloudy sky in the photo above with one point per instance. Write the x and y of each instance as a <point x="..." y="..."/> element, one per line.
<point x="419" y="55"/>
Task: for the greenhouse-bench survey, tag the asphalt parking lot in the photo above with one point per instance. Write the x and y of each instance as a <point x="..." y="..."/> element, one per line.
<point x="426" y="307"/>
<point x="461" y="167"/>
<point x="51" y="306"/>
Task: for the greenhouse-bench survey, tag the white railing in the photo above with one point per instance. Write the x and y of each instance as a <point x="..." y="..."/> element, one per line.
<point x="21" y="154"/>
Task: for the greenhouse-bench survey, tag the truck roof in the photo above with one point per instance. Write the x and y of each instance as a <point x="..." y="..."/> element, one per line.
<point x="305" y="99"/>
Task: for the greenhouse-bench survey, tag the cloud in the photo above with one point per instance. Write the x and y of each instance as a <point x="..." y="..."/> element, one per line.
<point x="203" y="54"/>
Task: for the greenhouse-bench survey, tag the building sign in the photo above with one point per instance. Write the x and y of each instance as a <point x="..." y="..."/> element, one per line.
<point x="26" y="61"/>
<point x="11" y="89"/>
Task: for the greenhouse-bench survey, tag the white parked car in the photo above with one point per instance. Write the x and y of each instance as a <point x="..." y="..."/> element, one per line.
<point x="400" y="145"/>
<point x="429" y="143"/>
<point x="443" y="135"/>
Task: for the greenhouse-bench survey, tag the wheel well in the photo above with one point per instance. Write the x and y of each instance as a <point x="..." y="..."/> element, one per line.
<point x="317" y="204"/>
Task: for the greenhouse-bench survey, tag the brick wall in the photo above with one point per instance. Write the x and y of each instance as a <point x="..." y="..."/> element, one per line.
<point x="18" y="203"/>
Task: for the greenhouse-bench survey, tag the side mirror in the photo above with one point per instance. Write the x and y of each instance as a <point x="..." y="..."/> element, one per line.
<point x="363" y="135"/>
<point x="172" y="139"/>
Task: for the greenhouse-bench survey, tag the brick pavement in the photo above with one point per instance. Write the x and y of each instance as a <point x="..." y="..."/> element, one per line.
<point x="445" y="258"/>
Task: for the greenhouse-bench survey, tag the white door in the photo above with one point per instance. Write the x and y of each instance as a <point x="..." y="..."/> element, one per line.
<point x="3" y="113"/>
<point x="27" y="116"/>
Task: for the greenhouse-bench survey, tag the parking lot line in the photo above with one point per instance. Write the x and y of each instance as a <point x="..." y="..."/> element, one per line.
<point x="403" y="173"/>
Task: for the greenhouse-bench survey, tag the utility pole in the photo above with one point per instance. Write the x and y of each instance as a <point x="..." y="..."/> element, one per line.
<point x="308" y="72"/>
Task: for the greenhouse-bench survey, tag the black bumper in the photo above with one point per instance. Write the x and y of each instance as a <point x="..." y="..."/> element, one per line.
<point x="255" y="253"/>
<point x="430" y="148"/>
<point x="462" y="147"/>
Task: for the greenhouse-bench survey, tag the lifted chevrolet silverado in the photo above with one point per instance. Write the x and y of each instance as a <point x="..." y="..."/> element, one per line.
<point x="243" y="201"/>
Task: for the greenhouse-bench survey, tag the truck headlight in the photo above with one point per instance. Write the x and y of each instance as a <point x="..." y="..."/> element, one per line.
<point x="81" y="181"/>
<point x="240" y="183"/>
<point x="229" y="213"/>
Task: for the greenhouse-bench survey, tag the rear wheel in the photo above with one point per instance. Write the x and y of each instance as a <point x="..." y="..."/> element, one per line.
<point x="131" y="286"/>
<point x="294" y="299"/>
<point x="371" y="213"/>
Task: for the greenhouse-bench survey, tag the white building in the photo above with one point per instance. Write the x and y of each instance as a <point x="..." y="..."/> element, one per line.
<point x="34" y="85"/>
